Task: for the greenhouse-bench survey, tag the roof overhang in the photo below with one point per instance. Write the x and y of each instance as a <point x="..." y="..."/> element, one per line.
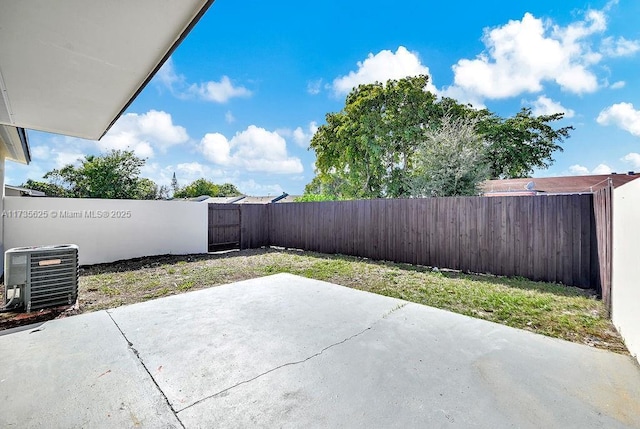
<point x="25" y="191"/>
<point x="14" y="144"/>
<point x="73" y="66"/>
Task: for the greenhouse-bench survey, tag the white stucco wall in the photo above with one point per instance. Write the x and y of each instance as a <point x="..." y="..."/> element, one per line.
<point x="107" y="230"/>
<point x="625" y="286"/>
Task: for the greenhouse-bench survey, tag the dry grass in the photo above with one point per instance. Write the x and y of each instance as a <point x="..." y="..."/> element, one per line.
<point x="554" y="310"/>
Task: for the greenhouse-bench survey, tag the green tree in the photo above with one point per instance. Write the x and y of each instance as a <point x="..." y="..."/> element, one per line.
<point x="369" y="144"/>
<point x="329" y="184"/>
<point x="113" y="175"/>
<point x="451" y="160"/>
<point x="307" y="198"/>
<point x="50" y="189"/>
<point x="521" y="143"/>
<point x="149" y="190"/>
<point x="370" y="148"/>
<point x="204" y="187"/>
<point x="229" y="190"/>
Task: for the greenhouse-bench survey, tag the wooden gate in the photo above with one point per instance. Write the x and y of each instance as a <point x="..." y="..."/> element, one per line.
<point x="224" y="226"/>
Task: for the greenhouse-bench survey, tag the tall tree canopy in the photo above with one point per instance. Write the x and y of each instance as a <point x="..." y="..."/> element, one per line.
<point x="113" y="175"/>
<point x="49" y="189"/>
<point x="450" y="160"/>
<point x="204" y="187"/>
<point x="389" y="141"/>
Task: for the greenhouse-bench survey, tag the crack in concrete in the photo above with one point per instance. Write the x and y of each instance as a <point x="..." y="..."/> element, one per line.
<point x="384" y="316"/>
<point x="137" y="354"/>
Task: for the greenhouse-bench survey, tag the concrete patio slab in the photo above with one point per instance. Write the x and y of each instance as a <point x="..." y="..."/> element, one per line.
<point x="201" y="343"/>
<point x="422" y="367"/>
<point x="77" y="373"/>
<point x="284" y="351"/>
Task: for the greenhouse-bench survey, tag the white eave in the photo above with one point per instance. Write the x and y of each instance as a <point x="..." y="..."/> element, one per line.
<point x="14" y="144"/>
<point x="73" y="66"/>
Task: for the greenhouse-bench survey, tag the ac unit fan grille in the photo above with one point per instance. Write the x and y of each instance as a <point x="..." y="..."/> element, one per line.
<point x="53" y="278"/>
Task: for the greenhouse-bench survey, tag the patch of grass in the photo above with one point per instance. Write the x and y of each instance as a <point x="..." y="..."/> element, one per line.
<point x="185" y="286"/>
<point x="551" y="309"/>
<point x="109" y="291"/>
<point x="158" y="293"/>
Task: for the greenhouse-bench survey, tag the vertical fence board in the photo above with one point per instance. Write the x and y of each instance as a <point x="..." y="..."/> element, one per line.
<point x="564" y="238"/>
<point x="603" y="217"/>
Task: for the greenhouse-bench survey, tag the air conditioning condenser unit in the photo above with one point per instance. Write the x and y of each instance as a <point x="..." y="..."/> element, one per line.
<point x="41" y="277"/>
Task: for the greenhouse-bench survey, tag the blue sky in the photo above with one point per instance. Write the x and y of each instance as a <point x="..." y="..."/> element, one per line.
<point x="241" y="96"/>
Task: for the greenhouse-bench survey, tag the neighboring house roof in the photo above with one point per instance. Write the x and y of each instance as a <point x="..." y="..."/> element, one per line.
<point x="555" y="185"/>
<point x="288" y="199"/>
<point x="22" y="192"/>
<point x="72" y="67"/>
<point x="220" y="200"/>
<point x="244" y="199"/>
<point x="262" y="200"/>
<point x="256" y="200"/>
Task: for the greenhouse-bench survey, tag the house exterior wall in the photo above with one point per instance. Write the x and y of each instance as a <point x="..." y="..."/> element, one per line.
<point x="107" y="230"/>
<point x="625" y="288"/>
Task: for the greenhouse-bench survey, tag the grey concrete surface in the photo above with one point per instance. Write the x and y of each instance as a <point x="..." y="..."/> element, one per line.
<point x="285" y="351"/>
<point x="77" y="373"/>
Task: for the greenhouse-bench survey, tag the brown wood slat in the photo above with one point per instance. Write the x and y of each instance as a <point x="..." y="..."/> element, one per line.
<point x="565" y="238"/>
<point x="603" y="217"/>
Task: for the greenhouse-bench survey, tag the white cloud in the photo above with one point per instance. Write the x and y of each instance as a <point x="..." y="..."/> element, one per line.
<point x="194" y="170"/>
<point x="60" y="157"/>
<point x="65" y="158"/>
<point x="142" y="132"/>
<point x="40" y="152"/>
<point x="254" y="149"/>
<point x="632" y="158"/>
<point x="522" y="55"/>
<point x="620" y="47"/>
<point x="301" y="136"/>
<point x="219" y="92"/>
<point x="463" y="96"/>
<point x="618" y="85"/>
<point x="546" y="106"/>
<point x="13" y="170"/>
<point x="153" y="171"/>
<point x="602" y="169"/>
<point x="185" y="173"/>
<point x="581" y="170"/>
<point x="229" y="118"/>
<point x="381" y="67"/>
<point x="251" y="187"/>
<point x="168" y="77"/>
<point x="623" y="115"/>
<point x="578" y="170"/>
<point x="314" y="86"/>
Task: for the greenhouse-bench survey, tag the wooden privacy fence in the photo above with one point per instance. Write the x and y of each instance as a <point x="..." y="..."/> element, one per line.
<point x="603" y="217"/>
<point x="545" y="238"/>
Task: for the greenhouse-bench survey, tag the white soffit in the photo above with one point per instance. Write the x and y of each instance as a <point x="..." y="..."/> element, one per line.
<point x="13" y="144"/>
<point x="73" y="66"/>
